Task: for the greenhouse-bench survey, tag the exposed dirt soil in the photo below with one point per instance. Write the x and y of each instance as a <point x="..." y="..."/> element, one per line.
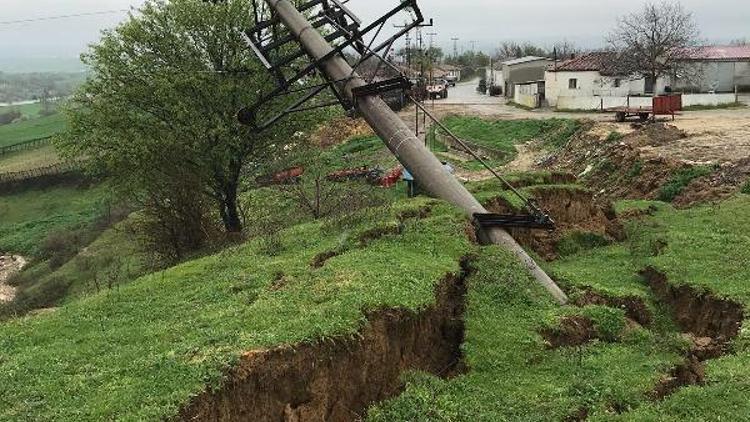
<point x="717" y="186"/>
<point x="338" y="380"/>
<point x="9" y="265"/>
<point x="616" y="169"/>
<point x="572" y="331"/>
<point x="710" y="324"/>
<point x="340" y="130"/>
<point x="718" y="136"/>
<point x="574" y="210"/>
<point x="634" y="307"/>
<point x="700" y="314"/>
<point x="638" y="164"/>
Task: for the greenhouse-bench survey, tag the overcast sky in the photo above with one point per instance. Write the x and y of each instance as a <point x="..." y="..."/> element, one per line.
<point x="488" y="22"/>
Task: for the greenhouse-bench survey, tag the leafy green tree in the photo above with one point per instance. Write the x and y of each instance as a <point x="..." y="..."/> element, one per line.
<point x="159" y="109"/>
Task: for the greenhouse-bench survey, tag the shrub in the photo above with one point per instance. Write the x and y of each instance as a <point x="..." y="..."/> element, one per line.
<point x="636" y="170"/>
<point x="60" y="247"/>
<point x="746" y="188"/>
<point x="9" y="117"/>
<point x="614" y="136"/>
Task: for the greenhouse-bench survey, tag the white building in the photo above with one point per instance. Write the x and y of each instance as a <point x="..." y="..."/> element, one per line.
<point x="594" y="75"/>
<point x="595" y="80"/>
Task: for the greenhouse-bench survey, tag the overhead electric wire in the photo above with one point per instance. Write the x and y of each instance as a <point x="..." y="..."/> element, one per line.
<point x="59" y="17"/>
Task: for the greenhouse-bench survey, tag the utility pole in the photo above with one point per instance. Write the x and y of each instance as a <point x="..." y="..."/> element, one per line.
<point x="455" y="47"/>
<point x="414" y="155"/>
<point x="430" y="51"/>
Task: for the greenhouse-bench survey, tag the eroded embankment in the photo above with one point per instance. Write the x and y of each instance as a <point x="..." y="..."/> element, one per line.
<point x="710" y="323"/>
<point x="573" y="209"/>
<point x="338" y="380"/>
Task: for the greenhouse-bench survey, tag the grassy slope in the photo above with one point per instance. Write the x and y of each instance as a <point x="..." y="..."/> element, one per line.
<point x="28" y="217"/>
<point x="513" y="376"/>
<point x="29" y="160"/>
<point x="139" y="352"/>
<point x="708" y="248"/>
<point x="31" y="129"/>
<point x="504" y="135"/>
<point x="27" y="110"/>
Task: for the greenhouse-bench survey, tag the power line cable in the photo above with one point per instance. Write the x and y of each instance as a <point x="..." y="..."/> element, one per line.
<point x="59" y="17"/>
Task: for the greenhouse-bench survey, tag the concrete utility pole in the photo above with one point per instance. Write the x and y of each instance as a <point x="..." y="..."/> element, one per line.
<point x="425" y="167"/>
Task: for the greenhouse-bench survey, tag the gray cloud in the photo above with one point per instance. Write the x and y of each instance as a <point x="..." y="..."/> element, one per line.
<point x="488" y="22"/>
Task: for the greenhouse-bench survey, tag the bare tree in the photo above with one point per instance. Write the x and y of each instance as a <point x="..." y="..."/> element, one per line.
<point x="652" y="42"/>
<point x="740" y="42"/>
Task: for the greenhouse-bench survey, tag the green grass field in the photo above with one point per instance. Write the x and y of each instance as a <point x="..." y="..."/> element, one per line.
<point x="33" y="128"/>
<point x="28" y="217"/>
<point x="177" y="331"/>
<point x="504" y="135"/>
<point x="28" y="111"/>
<point x="513" y="377"/>
<point x="141" y="350"/>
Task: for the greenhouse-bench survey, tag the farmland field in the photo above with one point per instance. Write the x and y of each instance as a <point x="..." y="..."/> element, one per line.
<point x="29" y="160"/>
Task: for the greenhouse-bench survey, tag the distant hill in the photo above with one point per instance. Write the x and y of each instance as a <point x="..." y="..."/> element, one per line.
<point x="41" y="64"/>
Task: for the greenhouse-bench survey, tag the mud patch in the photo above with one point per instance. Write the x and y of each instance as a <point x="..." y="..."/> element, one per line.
<point x="376" y="233"/>
<point x="574" y="210"/>
<point x="415" y="214"/>
<point x="340" y="130"/>
<point x="9" y="266"/>
<point x="338" y="380"/>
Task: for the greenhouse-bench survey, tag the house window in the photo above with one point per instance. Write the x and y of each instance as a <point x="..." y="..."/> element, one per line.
<point x="573" y="83"/>
<point x="618" y="83"/>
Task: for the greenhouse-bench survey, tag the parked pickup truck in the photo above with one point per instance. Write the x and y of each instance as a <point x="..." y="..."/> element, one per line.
<point x="438" y="90"/>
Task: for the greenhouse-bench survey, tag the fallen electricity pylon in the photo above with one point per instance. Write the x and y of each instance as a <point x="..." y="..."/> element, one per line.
<point x="326" y="50"/>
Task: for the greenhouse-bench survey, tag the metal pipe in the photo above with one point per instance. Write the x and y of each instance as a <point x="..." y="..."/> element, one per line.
<point x="425" y="167"/>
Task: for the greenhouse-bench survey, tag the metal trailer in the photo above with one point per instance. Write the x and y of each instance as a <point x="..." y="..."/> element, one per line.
<point x="663" y="105"/>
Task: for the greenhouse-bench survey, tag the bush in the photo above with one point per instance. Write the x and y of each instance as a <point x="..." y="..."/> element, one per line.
<point x="746" y="188"/>
<point x="614" y="136"/>
<point x="636" y="170"/>
<point x="680" y="180"/>
<point x="9" y="117"/>
<point x="60" y="247"/>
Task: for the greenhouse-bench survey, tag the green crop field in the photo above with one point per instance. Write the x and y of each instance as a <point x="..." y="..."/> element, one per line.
<point x="33" y="128"/>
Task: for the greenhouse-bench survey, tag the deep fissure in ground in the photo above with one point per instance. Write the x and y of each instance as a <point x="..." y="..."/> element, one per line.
<point x="338" y="380"/>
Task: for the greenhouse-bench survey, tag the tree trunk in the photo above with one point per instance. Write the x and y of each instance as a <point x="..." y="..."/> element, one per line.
<point x="230" y="214"/>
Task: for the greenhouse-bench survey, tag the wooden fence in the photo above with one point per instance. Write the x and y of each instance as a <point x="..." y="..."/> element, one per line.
<point x="26" y="145"/>
<point x="53" y="170"/>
